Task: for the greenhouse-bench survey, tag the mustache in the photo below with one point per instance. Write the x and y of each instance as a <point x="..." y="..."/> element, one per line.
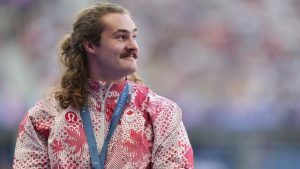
<point x="129" y="54"/>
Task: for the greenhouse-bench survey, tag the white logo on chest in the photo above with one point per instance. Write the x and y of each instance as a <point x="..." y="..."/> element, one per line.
<point x="130" y="115"/>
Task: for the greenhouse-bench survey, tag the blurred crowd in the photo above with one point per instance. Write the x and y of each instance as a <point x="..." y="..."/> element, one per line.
<point x="232" y="66"/>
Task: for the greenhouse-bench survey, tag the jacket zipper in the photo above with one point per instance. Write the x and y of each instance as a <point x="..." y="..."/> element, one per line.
<point x="102" y="115"/>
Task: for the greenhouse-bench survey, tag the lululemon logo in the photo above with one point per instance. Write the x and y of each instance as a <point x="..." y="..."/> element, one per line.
<point x="71" y="117"/>
<point x="130" y="115"/>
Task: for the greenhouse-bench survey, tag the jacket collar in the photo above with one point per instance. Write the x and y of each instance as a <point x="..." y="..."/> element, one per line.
<point x="103" y="89"/>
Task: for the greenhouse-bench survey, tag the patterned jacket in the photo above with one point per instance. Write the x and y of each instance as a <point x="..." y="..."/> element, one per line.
<point x="150" y="133"/>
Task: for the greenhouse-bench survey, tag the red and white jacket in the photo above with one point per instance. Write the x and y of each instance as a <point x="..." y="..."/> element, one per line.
<point x="150" y="133"/>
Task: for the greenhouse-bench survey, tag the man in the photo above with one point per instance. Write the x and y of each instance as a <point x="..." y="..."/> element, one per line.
<point x="102" y="116"/>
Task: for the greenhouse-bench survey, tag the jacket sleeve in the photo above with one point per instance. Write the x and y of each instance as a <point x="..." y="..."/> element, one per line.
<point x="31" y="144"/>
<point x="171" y="148"/>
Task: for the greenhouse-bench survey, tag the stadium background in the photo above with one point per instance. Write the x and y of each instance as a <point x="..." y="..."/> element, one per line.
<point x="232" y="66"/>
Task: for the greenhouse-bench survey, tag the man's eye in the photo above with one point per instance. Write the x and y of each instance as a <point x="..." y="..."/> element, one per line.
<point x="122" y="37"/>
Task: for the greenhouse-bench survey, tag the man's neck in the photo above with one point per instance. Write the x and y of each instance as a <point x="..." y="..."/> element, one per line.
<point x="108" y="80"/>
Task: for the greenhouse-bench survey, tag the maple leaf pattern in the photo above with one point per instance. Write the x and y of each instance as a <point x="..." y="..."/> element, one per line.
<point x="139" y="146"/>
<point x="56" y="146"/>
<point x="140" y="97"/>
<point x="76" y="139"/>
<point x="132" y="149"/>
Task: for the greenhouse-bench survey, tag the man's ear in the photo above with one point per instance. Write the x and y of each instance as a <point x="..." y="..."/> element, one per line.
<point x="89" y="46"/>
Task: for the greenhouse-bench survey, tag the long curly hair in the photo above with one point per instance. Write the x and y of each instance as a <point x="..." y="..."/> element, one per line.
<point x="87" y="26"/>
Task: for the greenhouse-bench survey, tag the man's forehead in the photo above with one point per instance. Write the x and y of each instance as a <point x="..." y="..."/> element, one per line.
<point x="118" y="22"/>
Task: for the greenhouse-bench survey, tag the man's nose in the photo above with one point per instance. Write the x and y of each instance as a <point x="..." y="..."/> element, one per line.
<point x="132" y="46"/>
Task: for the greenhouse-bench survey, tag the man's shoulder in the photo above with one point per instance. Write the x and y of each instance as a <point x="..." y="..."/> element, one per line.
<point x="46" y="105"/>
<point x="154" y="97"/>
<point x="151" y="98"/>
<point x="162" y="109"/>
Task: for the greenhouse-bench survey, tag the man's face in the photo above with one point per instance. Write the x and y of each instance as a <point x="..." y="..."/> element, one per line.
<point x="116" y="55"/>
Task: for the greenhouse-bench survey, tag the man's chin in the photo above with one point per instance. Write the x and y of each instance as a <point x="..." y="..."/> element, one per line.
<point x="131" y="71"/>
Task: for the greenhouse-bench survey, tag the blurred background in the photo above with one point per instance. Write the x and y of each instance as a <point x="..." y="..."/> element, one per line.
<point x="232" y="66"/>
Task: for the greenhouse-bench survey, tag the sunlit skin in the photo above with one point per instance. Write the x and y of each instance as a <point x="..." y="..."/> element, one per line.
<point x="116" y="56"/>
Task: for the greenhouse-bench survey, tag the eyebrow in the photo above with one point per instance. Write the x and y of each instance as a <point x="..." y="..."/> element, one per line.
<point x="125" y="30"/>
